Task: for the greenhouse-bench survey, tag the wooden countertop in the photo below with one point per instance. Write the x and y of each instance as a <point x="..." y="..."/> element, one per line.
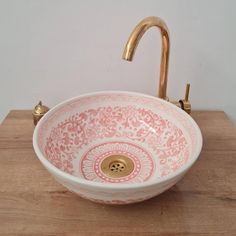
<point x="33" y="203"/>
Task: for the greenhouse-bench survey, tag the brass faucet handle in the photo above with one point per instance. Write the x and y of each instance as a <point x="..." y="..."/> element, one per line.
<point x="185" y="103"/>
<point x="187" y="92"/>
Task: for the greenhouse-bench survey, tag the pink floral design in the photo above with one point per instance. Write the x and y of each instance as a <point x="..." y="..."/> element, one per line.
<point x="134" y="124"/>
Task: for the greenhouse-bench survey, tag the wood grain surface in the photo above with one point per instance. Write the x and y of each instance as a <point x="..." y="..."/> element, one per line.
<point x="203" y="203"/>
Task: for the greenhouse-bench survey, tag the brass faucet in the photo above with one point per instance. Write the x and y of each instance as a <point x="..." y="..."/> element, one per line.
<point x="128" y="54"/>
<point x="132" y="44"/>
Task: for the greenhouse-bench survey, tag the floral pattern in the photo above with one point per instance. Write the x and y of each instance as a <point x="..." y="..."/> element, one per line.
<point x="138" y="125"/>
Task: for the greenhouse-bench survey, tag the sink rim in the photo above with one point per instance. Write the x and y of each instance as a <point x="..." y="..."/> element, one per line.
<point x="93" y="184"/>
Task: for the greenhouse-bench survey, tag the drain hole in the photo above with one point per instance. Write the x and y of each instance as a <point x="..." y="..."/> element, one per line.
<point x="117" y="166"/>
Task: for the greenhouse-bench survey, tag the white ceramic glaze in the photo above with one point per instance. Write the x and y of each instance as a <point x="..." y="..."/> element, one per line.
<point x="74" y="137"/>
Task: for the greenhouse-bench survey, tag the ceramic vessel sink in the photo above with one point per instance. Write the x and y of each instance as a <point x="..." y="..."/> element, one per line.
<point x="117" y="147"/>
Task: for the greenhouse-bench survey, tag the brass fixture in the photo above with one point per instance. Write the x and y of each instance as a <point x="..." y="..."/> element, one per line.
<point x="128" y="54"/>
<point x="117" y="166"/>
<point x="132" y="44"/>
<point x="39" y="111"/>
<point x="185" y="103"/>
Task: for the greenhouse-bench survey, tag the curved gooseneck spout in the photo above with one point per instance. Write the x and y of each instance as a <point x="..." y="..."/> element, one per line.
<point x="128" y="54"/>
<point x="133" y="41"/>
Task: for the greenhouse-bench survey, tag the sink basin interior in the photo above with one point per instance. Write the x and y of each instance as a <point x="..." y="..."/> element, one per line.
<point x="118" y="137"/>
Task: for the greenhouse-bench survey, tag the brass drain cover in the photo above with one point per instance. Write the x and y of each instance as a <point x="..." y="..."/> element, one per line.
<point x="117" y="166"/>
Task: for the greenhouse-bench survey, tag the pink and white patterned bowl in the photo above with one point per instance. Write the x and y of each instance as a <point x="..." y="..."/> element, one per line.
<point x="74" y="138"/>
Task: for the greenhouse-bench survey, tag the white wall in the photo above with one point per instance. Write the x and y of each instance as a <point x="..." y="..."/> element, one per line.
<point x="54" y="50"/>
